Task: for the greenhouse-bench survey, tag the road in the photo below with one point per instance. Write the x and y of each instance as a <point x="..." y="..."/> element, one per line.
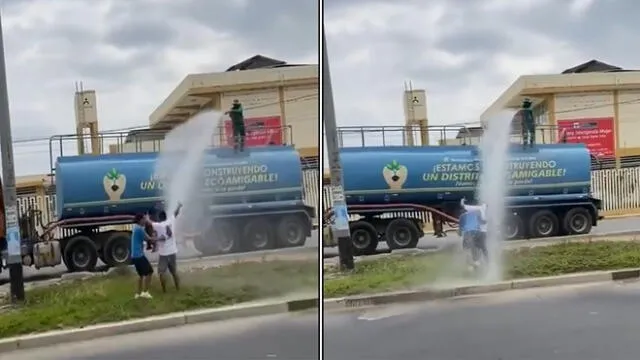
<point x="283" y="337"/>
<point x="586" y="322"/>
<point x="186" y="251"/>
<point x="431" y="242"/>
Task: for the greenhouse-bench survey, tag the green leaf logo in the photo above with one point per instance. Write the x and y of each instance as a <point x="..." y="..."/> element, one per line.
<point x="393" y="166"/>
<point x="113" y="174"/>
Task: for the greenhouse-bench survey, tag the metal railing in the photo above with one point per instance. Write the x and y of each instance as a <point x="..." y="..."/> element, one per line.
<point x="412" y="135"/>
<point x="148" y="140"/>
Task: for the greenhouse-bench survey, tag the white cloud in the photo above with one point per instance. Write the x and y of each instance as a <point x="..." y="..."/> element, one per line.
<point x="133" y="53"/>
<point x="464" y="53"/>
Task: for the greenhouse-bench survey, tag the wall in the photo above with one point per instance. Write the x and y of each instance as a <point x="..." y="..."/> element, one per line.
<point x="629" y="122"/>
<point x="301" y="113"/>
<point x="584" y="105"/>
<point x="598" y="112"/>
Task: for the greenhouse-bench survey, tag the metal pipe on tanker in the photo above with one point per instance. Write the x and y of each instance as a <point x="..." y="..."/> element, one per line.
<point x="340" y="228"/>
<point x="12" y="236"/>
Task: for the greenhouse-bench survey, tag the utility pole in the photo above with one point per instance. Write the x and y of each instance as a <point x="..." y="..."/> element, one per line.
<point x="340" y="228"/>
<point x="12" y="229"/>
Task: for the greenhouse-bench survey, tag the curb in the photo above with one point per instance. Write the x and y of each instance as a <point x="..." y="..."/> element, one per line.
<point x="436" y="294"/>
<point x="155" y="323"/>
<point x="621" y="216"/>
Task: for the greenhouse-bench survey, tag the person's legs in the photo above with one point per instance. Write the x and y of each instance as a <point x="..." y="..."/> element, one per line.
<point x="481" y="245"/>
<point x="242" y="135"/>
<point x="163" y="264"/>
<point x="147" y="272"/>
<point x="236" y="136"/>
<point x="140" y="270"/>
<point x="139" y="286"/>
<point x="173" y="269"/>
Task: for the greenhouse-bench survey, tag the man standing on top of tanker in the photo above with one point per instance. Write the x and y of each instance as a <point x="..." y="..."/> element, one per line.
<point x="528" y="123"/>
<point x="237" y="123"/>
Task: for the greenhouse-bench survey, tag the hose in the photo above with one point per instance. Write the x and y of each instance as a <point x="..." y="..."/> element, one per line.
<point x="449" y="220"/>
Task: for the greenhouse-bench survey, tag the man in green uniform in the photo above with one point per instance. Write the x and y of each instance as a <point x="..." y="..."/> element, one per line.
<point x="528" y="124"/>
<point x="237" y="123"/>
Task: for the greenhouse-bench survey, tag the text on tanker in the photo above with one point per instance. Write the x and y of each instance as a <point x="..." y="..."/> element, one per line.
<point x="223" y="179"/>
<point x="519" y="172"/>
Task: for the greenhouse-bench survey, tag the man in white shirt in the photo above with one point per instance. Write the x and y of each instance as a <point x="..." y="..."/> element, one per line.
<point x="167" y="250"/>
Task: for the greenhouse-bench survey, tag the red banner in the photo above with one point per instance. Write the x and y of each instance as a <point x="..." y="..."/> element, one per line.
<point x="596" y="133"/>
<point x="260" y="131"/>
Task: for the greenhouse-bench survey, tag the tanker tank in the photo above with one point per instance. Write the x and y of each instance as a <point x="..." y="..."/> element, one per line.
<point x="124" y="184"/>
<point x="435" y="174"/>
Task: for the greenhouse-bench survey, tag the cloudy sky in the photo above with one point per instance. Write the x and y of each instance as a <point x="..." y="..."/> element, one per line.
<point x="465" y="53"/>
<point x="133" y="53"/>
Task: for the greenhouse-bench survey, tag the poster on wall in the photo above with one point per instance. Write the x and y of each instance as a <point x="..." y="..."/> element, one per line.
<point x="596" y="133"/>
<point x="260" y="131"/>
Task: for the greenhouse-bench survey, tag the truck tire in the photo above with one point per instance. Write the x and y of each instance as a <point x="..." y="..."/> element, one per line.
<point x="257" y="234"/>
<point x="577" y="221"/>
<point x="292" y="230"/>
<point x="364" y="238"/>
<point x="117" y="249"/>
<point x="402" y="234"/>
<point x="543" y="223"/>
<point x="80" y="254"/>
<point x="514" y="228"/>
<point x="221" y="238"/>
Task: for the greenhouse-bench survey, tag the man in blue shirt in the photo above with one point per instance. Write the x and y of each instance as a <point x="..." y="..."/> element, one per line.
<point x="470" y="230"/>
<point x="138" y="258"/>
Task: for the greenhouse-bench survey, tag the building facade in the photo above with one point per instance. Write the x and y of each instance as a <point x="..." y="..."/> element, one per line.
<point x="593" y="103"/>
<point x="280" y="102"/>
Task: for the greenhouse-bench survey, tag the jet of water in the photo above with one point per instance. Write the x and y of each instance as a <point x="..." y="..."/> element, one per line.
<point x="180" y="165"/>
<point x="493" y="188"/>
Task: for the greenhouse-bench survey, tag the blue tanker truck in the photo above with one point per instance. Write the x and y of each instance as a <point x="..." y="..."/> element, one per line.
<point x="253" y="200"/>
<point x="549" y="191"/>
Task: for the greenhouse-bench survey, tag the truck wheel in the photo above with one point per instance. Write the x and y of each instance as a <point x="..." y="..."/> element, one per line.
<point x="117" y="249"/>
<point x="514" y="227"/>
<point x="221" y="238"/>
<point x="257" y="234"/>
<point x="543" y="223"/>
<point x="577" y="221"/>
<point x="364" y="238"/>
<point x="292" y="231"/>
<point x="81" y="254"/>
<point x="402" y="234"/>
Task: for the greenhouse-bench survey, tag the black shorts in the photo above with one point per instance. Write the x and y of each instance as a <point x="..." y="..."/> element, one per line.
<point x="142" y="265"/>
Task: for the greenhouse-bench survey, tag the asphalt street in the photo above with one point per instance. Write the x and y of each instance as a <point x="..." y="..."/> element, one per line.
<point x="585" y="322"/>
<point x="284" y="337"/>
<point x="452" y="238"/>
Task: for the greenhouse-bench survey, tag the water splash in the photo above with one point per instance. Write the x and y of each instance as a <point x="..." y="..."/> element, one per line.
<point x="492" y="186"/>
<point x="180" y="165"/>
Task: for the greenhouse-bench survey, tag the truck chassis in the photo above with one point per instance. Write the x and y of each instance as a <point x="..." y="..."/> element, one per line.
<point x="87" y="240"/>
<point x="524" y="221"/>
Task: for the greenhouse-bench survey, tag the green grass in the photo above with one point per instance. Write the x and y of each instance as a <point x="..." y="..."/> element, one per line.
<point x="403" y="272"/>
<point x="110" y="298"/>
